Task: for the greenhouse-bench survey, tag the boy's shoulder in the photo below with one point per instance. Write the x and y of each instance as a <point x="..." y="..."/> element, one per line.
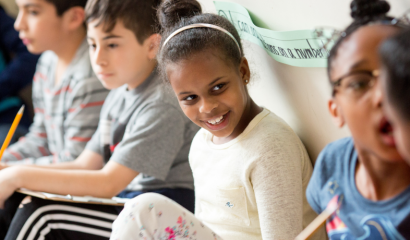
<point x="152" y="91"/>
<point x="78" y="70"/>
<point x="151" y="96"/>
<point x="48" y="57"/>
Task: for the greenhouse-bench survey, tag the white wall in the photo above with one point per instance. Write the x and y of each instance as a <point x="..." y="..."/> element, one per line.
<point x="298" y="95"/>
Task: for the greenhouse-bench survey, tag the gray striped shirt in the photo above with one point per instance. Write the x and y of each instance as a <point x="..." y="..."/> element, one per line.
<point x="66" y="115"/>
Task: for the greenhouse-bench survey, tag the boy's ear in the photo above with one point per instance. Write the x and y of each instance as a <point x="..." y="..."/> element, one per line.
<point x="152" y="43"/>
<point x="244" y="70"/>
<point x="336" y="113"/>
<point x="74" y="17"/>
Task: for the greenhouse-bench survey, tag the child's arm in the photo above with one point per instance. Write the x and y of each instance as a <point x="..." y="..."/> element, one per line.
<point x="105" y="183"/>
<point x="277" y="183"/>
<point x="88" y="160"/>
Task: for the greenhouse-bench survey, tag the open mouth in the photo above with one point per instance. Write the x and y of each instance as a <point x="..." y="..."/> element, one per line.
<point x="218" y="122"/>
<point x="386" y="131"/>
<point x="386" y="128"/>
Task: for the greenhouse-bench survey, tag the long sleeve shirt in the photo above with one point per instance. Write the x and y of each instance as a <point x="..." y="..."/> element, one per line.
<point x="66" y="115"/>
<point x="253" y="187"/>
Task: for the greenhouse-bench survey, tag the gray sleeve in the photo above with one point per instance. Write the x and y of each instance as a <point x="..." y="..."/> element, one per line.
<point x="94" y="143"/>
<point x="152" y="142"/>
<point x="34" y="144"/>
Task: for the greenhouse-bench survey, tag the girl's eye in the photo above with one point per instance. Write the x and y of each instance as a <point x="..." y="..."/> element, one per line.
<point x="359" y="84"/>
<point x="218" y="87"/>
<point x="113" y="45"/>
<point x="190" y="98"/>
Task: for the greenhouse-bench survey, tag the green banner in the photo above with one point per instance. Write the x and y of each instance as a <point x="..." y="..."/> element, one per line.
<point x="296" y="48"/>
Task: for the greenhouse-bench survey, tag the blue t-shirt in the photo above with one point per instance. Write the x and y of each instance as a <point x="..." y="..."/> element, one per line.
<point x="358" y="217"/>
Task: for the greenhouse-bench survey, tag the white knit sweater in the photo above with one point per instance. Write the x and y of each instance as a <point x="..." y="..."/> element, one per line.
<point x="253" y="187"/>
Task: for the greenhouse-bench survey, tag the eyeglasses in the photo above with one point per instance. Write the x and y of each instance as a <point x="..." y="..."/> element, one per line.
<point x="356" y="83"/>
<point x="329" y="35"/>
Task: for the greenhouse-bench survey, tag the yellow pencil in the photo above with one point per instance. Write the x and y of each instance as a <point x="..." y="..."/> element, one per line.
<point x="12" y="130"/>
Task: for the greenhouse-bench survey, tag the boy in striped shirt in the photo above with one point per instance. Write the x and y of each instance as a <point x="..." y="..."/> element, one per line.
<point x="141" y="144"/>
<point x="67" y="96"/>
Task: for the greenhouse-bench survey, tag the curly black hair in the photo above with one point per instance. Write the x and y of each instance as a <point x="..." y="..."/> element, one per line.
<point x="174" y="14"/>
<point x="363" y="12"/>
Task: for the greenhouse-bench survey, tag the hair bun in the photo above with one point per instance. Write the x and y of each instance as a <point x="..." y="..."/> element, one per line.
<point x="171" y="12"/>
<point x="363" y="9"/>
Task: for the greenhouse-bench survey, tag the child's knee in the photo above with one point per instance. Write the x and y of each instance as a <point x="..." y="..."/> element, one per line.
<point x="147" y="201"/>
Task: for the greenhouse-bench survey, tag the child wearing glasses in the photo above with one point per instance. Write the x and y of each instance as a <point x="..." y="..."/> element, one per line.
<point x="364" y="172"/>
<point x="395" y="82"/>
<point x="250" y="169"/>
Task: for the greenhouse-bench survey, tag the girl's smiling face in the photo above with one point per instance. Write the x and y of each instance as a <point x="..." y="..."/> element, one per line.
<point x="212" y="92"/>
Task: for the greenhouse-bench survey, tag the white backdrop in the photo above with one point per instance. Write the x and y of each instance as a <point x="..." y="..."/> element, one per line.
<point x="298" y="95"/>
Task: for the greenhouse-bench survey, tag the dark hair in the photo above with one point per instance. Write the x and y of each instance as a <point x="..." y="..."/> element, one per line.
<point x="363" y="13"/>
<point x="139" y="16"/>
<point x="174" y="14"/>
<point x="395" y="59"/>
<point x="63" y="5"/>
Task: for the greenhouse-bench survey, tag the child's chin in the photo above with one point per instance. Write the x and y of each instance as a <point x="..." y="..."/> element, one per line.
<point x="34" y="50"/>
<point x="109" y="86"/>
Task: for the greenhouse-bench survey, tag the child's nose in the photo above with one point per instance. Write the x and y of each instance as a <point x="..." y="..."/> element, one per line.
<point x="99" y="57"/>
<point x="207" y="105"/>
<point x="19" y="23"/>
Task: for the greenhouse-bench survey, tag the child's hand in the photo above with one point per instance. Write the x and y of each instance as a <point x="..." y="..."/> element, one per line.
<point x="7" y="185"/>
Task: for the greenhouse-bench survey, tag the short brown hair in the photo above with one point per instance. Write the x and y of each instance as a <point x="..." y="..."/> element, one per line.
<point x="139" y="16"/>
<point x="63" y="5"/>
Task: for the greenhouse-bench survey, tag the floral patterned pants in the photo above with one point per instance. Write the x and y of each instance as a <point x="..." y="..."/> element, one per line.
<point x="153" y="216"/>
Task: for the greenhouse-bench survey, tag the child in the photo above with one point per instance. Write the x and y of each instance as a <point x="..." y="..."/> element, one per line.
<point x="16" y="75"/>
<point x="67" y="95"/>
<point x="364" y="172"/>
<point x="141" y="144"/>
<point x="395" y="79"/>
<point x="250" y="168"/>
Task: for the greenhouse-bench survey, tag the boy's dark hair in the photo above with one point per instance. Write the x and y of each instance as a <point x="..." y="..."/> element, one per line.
<point x="139" y="16"/>
<point x="174" y="14"/>
<point x="363" y="13"/>
<point x="63" y="5"/>
<point x="395" y="57"/>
